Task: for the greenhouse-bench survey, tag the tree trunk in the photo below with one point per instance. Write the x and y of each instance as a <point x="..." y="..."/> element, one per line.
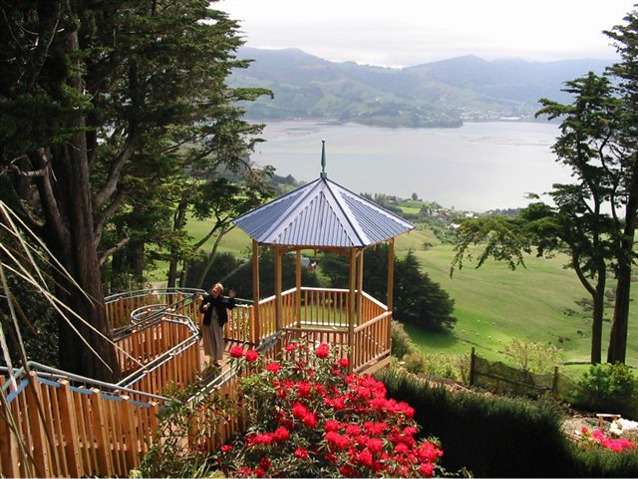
<point x="70" y="236"/>
<point x="597" y="318"/>
<point x="210" y="258"/>
<point x="618" y="338"/>
<point x="179" y="221"/>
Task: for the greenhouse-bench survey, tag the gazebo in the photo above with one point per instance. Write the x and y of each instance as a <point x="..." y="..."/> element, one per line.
<point x="324" y="216"/>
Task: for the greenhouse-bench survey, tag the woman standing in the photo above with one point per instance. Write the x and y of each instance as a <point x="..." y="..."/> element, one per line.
<point x="215" y="307"/>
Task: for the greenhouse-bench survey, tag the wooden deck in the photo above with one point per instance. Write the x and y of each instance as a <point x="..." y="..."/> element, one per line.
<point x="89" y="428"/>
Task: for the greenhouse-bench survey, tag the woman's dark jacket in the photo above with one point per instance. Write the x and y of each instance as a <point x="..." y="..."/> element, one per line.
<point x="221" y="304"/>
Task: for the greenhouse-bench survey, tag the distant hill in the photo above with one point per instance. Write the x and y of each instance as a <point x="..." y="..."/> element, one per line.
<point x="442" y="93"/>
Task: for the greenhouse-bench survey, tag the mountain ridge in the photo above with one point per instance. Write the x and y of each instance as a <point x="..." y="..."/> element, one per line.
<point x="443" y="93"/>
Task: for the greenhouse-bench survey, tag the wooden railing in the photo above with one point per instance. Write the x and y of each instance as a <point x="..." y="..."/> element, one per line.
<point x="82" y="431"/>
<point x="90" y="428"/>
<point x="372" y="341"/>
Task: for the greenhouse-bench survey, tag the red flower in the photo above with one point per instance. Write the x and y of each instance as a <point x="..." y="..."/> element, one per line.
<point x="322" y="351"/>
<point x="310" y="420"/>
<point x="375" y="445"/>
<point x="251" y="355"/>
<point x="265" y="463"/>
<point x="261" y="439"/>
<point x="344" y="362"/>
<point x="336" y="440"/>
<point x="301" y="453"/>
<point x="353" y="430"/>
<point x="426" y="469"/>
<point x="304" y="389"/>
<point x="299" y="410"/>
<point x="428" y="452"/>
<point x="273" y="367"/>
<point x="236" y="351"/>
<point x="259" y="472"/>
<point x="331" y="425"/>
<point x="281" y="434"/>
<point x="401" y="448"/>
<point x="347" y="471"/>
<point x="226" y="448"/>
<point x="365" y="458"/>
<point x="291" y="346"/>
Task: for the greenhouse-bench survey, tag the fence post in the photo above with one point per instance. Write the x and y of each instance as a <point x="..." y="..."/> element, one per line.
<point x="555" y="381"/>
<point x="472" y="366"/>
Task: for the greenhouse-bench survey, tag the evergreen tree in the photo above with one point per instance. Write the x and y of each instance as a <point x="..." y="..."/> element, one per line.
<point x="109" y="107"/>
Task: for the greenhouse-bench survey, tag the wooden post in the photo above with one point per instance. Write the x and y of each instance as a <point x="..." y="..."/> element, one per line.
<point x="298" y="287"/>
<point x="472" y="363"/>
<point x="390" y="281"/>
<point x="555" y="381"/>
<point x="278" y="280"/>
<point x="351" y="311"/>
<point x="70" y="431"/>
<point x="38" y="438"/>
<point x="256" y="291"/>
<point x="360" y="319"/>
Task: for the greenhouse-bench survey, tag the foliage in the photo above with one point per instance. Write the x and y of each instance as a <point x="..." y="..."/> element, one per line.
<point x="168" y="456"/>
<point x="402" y="344"/>
<point x="503" y="437"/>
<point x="533" y="357"/>
<point x="237" y="273"/>
<point x="116" y="119"/>
<point x="608" y="388"/>
<point x="308" y="418"/>
<point x="417" y="298"/>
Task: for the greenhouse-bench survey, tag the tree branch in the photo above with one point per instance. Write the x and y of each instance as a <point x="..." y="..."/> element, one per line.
<point x="114" y="176"/>
<point x="106" y="254"/>
<point x="107" y="214"/>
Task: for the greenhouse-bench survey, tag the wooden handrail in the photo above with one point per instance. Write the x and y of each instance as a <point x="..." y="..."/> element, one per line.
<point x="372" y="321"/>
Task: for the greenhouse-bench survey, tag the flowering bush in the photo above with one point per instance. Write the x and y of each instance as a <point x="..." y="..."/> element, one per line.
<point x="309" y="418"/>
<point x="599" y="437"/>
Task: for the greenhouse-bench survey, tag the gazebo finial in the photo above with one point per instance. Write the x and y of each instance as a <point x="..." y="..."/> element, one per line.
<point x="323" y="159"/>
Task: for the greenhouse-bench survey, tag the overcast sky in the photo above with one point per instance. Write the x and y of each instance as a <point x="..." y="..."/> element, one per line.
<point x="408" y="32"/>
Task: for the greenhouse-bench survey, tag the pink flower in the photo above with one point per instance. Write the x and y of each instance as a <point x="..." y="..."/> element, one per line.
<point x="301" y="453"/>
<point x="281" y="434"/>
<point x="252" y="355"/>
<point x="273" y="367"/>
<point x="322" y="351"/>
<point x="236" y="352"/>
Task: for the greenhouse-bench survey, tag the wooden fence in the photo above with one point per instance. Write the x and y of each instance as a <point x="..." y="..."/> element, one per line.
<point x="504" y="379"/>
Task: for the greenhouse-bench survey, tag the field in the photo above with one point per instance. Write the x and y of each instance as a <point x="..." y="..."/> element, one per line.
<point x="493" y="304"/>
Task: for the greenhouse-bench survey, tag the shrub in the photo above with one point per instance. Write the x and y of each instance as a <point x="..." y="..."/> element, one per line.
<point x="503" y="437"/>
<point x="308" y="418"/>
<point x="402" y="344"/>
<point x="492" y="436"/>
<point x="609" y="388"/>
<point x="414" y="362"/>
<point x="533" y="357"/>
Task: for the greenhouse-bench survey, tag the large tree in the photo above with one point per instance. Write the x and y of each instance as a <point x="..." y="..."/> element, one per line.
<point x="103" y="103"/>
<point x="625" y="174"/>
<point x="577" y="223"/>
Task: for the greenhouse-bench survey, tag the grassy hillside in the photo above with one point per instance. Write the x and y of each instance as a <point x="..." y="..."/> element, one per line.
<point x="495" y="305"/>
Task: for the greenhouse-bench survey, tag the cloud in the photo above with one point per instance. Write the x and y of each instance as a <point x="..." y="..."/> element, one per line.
<point x="407" y="32"/>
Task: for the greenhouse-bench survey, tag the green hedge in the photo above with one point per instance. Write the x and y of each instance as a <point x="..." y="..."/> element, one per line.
<point x="502" y="437"/>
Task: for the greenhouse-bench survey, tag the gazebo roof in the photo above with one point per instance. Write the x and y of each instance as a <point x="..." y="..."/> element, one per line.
<point x="322" y="214"/>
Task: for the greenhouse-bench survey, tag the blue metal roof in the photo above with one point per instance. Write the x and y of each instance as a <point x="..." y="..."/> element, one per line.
<point x="322" y="214"/>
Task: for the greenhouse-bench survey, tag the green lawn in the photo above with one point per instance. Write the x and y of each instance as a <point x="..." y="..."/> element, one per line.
<point x="493" y="304"/>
